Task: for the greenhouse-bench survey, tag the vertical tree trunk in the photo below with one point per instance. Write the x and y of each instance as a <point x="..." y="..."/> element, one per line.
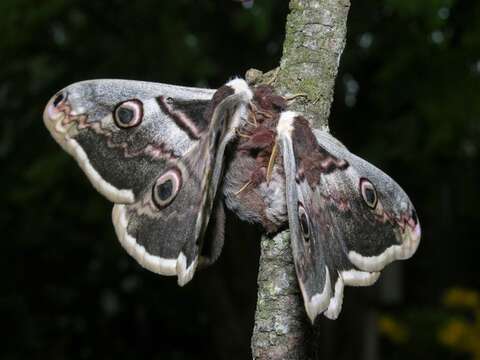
<point x="314" y="41"/>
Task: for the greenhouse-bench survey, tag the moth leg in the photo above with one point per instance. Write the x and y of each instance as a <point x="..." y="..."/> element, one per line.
<point x="265" y="114"/>
<point x="271" y="161"/>
<point x="239" y="133"/>
<point x="253" y="110"/>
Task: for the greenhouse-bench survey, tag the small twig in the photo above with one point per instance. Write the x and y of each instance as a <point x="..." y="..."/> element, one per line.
<point x="293" y="97"/>
<point x="281" y="328"/>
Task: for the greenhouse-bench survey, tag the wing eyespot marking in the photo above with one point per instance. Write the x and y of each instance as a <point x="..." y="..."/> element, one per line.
<point x="128" y="114"/>
<point x="304" y="222"/>
<point x="166" y="188"/>
<point x="60" y="99"/>
<point x="369" y="193"/>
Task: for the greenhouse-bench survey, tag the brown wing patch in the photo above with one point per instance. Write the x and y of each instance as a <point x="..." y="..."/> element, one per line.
<point x="312" y="159"/>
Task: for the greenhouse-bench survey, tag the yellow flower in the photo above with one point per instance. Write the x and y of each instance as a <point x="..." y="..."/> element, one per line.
<point x="462" y="334"/>
<point x="459" y="297"/>
<point x="453" y="334"/>
<point x="393" y="329"/>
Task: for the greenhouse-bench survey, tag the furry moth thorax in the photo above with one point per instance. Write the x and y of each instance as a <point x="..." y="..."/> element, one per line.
<point x="170" y="157"/>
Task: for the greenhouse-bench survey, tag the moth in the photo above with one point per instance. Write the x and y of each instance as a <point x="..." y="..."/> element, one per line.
<point x="170" y="158"/>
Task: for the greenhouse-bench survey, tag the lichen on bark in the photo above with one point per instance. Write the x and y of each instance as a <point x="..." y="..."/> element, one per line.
<point x="314" y="41"/>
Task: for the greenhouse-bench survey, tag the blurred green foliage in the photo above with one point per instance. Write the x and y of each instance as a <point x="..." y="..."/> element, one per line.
<point x="462" y="332"/>
<point x="454" y="324"/>
<point x="407" y="99"/>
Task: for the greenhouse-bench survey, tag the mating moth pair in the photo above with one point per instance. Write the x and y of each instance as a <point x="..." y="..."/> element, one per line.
<point x="171" y="157"/>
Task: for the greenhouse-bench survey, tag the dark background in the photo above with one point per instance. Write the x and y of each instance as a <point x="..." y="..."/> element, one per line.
<point x="407" y="99"/>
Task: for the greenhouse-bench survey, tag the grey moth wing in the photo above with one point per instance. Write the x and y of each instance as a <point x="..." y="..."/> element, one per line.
<point x="149" y="149"/>
<point x="347" y="218"/>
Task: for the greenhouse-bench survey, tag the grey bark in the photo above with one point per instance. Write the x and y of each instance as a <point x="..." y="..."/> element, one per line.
<point x="314" y="41"/>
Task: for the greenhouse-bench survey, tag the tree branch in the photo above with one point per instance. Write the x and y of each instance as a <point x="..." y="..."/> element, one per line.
<point x="315" y="38"/>
<point x="314" y="42"/>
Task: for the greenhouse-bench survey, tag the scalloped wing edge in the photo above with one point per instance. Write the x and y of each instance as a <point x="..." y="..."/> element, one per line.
<point x="411" y="240"/>
<point x="154" y="263"/>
